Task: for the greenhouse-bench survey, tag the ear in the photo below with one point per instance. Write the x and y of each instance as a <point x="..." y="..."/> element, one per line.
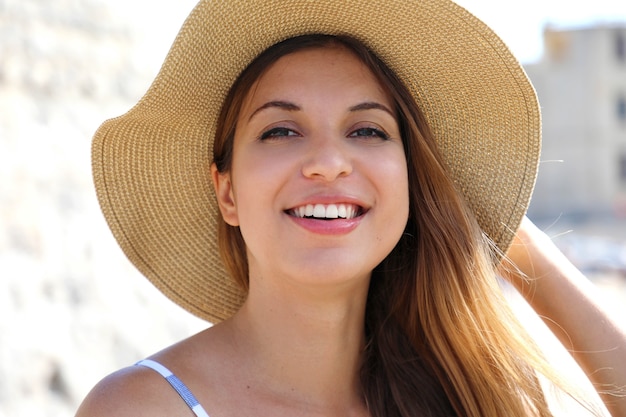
<point x="225" y="198"/>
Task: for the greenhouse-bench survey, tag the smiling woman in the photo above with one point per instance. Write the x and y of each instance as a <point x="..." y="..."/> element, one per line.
<point x="315" y="129"/>
<point x="367" y="182"/>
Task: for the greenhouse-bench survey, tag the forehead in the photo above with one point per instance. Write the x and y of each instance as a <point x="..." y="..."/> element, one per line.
<point x="332" y="70"/>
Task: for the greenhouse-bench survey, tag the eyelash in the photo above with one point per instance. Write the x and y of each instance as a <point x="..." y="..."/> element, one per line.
<point x="277" y="132"/>
<point x="371" y="132"/>
<point x="282" y="132"/>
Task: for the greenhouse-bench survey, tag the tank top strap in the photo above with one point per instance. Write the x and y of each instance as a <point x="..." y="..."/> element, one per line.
<point x="177" y="384"/>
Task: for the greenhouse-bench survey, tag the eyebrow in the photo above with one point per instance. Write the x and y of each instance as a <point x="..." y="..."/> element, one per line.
<point x="285" y="105"/>
<point x="288" y="106"/>
<point x="369" y="105"/>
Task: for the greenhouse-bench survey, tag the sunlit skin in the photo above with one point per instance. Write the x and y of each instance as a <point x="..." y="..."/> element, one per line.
<point x="316" y="129"/>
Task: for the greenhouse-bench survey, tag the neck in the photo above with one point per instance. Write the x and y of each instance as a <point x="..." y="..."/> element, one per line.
<point x="306" y="346"/>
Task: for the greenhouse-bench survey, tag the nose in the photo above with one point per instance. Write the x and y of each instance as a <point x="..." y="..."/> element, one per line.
<point x="327" y="160"/>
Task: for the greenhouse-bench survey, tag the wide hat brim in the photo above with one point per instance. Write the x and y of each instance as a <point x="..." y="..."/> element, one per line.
<point x="151" y="166"/>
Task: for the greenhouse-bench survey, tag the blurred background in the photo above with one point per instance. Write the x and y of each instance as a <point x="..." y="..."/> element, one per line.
<point x="72" y="309"/>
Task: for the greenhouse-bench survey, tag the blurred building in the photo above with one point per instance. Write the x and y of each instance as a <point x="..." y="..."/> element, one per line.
<point x="581" y="84"/>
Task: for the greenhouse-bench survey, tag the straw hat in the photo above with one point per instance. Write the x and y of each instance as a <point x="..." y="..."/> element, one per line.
<point x="151" y="166"/>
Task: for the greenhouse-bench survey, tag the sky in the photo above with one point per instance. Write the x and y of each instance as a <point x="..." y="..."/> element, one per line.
<point x="519" y="23"/>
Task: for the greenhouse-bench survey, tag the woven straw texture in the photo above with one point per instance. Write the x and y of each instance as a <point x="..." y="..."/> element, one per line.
<point x="151" y="166"/>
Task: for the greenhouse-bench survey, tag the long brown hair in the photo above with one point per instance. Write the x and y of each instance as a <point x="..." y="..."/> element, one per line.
<point x="440" y="338"/>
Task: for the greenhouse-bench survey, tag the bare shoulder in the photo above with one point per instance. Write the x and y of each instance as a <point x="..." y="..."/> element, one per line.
<point x="200" y="361"/>
<point x="133" y="391"/>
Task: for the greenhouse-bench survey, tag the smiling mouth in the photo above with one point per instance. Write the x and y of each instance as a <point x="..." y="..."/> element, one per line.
<point x="326" y="211"/>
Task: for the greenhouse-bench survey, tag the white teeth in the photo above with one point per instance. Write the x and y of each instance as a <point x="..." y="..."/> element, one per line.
<point x="330" y="211"/>
<point x="319" y="211"/>
<point x="342" y="211"/>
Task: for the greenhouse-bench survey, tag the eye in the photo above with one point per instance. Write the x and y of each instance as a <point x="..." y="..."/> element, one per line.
<point x="369" y="132"/>
<point x="277" y="133"/>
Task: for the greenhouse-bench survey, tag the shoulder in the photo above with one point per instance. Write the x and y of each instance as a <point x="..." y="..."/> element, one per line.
<point x="133" y="391"/>
<point x="140" y="391"/>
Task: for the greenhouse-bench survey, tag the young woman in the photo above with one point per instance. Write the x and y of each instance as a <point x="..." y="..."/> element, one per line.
<point x="367" y="181"/>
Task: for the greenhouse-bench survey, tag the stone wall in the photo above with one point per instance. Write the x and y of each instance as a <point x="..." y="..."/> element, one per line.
<point x="72" y="309"/>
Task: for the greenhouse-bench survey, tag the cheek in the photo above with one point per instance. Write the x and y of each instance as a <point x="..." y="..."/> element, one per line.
<point x="257" y="180"/>
<point x="393" y="185"/>
<point x="401" y="193"/>
<point x="396" y="179"/>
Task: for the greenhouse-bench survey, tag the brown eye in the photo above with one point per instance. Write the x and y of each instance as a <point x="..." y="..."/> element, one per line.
<point x="369" y="132"/>
<point x="277" y="132"/>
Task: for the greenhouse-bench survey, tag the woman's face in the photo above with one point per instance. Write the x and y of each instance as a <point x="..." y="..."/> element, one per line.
<point x="318" y="182"/>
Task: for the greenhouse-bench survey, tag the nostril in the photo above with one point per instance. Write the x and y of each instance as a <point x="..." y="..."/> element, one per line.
<point x="328" y="167"/>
